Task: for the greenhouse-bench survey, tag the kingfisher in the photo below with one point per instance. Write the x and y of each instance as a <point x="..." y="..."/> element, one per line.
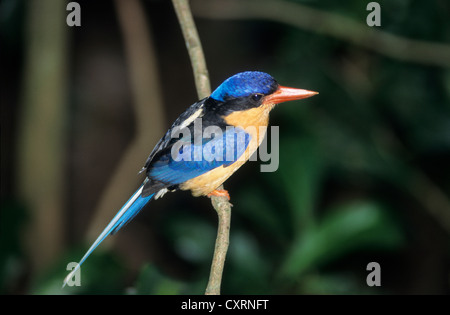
<point x="187" y="157"/>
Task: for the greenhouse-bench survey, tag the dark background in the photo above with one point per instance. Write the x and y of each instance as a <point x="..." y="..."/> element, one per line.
<point x="364" y="170"/>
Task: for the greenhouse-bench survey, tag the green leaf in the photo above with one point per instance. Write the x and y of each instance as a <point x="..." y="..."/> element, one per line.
<point x="301" y="173"/>
<point x="349" y="227"/>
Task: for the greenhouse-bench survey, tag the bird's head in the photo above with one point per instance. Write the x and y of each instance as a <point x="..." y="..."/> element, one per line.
<point x="254" y="89"/>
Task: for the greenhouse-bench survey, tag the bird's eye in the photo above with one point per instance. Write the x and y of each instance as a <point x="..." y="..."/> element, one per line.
<point x="257" y="97"/>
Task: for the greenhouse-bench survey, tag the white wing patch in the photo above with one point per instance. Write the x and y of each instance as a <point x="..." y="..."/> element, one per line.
<point x="190" y="119"/>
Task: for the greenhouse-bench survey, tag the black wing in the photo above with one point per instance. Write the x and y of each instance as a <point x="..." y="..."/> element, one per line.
<point x="166" y="142"/>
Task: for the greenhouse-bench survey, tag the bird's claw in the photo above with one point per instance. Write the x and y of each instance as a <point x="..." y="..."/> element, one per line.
<point x="219" y="193"/>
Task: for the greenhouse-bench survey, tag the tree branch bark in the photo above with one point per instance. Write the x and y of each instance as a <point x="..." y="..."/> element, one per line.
<point x="194" y="47"/>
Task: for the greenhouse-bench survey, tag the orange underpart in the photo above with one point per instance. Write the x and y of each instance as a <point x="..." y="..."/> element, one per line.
<point x="220" y="193"/>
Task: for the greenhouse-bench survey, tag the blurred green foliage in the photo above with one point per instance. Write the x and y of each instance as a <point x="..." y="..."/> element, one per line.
<point x="12" y="266"/>
<point x="359" y="166"/>
<point x="102" y="274"/>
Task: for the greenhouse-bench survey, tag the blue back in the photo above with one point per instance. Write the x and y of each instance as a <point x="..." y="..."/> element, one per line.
<point x="191" y="160"/>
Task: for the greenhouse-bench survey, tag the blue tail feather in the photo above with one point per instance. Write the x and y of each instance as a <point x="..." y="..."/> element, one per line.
<point x="128" y="211"/>
<point x="132" y="211"/>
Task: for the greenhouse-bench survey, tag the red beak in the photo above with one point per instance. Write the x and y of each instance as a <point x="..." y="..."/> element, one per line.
<point x="284" y="94"/>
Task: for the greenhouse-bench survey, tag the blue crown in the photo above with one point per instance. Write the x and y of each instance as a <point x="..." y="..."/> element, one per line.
<point x="244" y="84"/>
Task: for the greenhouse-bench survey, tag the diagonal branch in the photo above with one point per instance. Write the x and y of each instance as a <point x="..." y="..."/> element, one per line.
<point x="194" y="47"/>
<point x="330" y="24"/>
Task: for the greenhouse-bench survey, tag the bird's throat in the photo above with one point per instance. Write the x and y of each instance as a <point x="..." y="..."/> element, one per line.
<point x="254" y="117"/>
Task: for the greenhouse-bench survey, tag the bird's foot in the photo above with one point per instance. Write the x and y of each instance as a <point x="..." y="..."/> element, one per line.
<point x="220" y="193"/>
